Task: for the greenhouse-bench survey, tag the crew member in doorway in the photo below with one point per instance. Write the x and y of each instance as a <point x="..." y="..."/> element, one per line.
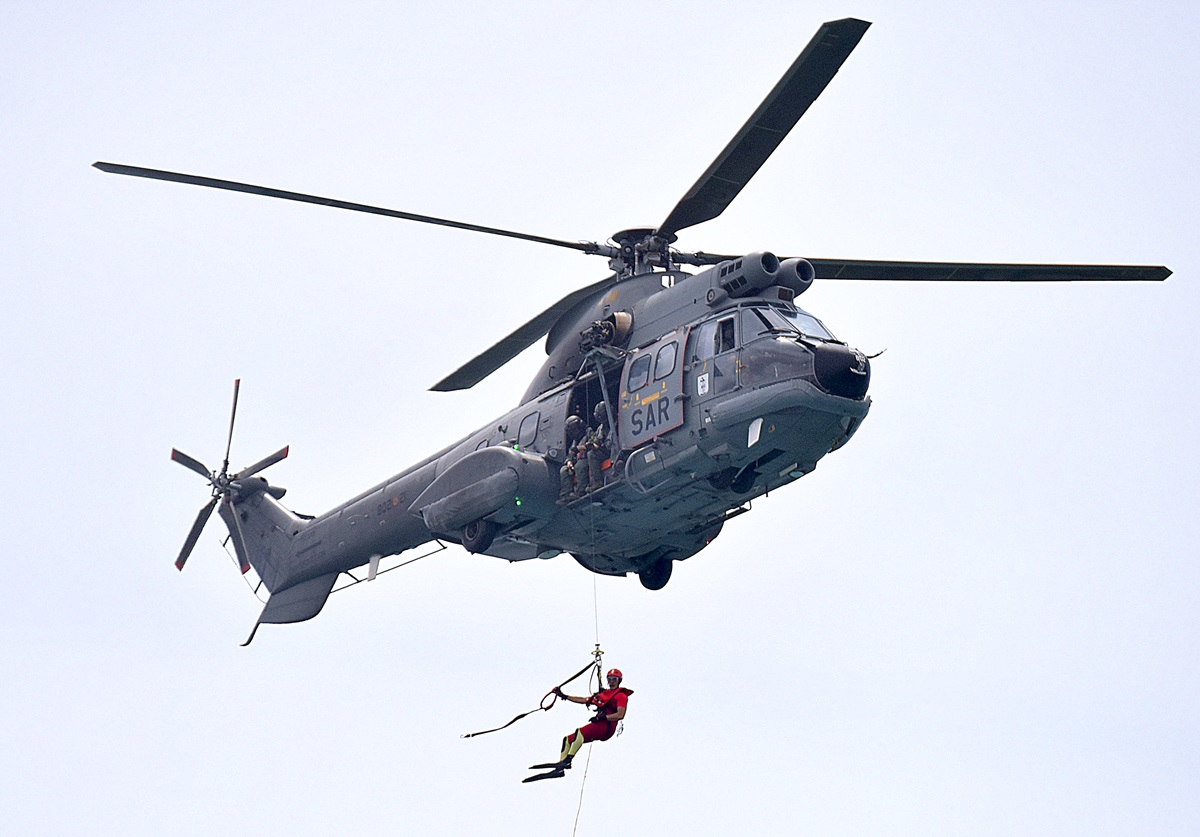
<point x="568" y="474"/>
<point x="610" y="706"/>
<point x="598" y="450"/>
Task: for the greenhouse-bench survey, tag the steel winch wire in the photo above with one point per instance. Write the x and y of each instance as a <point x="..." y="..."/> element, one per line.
<point x="595" y="594"/>
<point x="596" y="609"/>
<point x="599" y="674"/>
<point x="586" y="764"/>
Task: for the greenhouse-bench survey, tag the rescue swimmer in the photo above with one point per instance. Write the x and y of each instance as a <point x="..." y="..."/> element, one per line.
<point x="610" y="704"/>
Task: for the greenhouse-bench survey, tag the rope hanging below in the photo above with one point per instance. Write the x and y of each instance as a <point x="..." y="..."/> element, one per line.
<point x="595" y="666"/>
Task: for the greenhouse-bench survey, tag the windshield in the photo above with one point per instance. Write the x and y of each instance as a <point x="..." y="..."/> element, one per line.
<point x="806" y="324"/>
<point x="767" y="319"/>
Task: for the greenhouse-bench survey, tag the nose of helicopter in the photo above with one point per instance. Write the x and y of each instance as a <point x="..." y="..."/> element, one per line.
<point x="841" y="370"/>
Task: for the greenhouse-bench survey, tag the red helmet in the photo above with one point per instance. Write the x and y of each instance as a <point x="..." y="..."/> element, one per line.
<point x="615" y="672"/>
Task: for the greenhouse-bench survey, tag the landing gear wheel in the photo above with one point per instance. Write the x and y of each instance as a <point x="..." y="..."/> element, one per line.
<point x="656" y="576"/>
<point x="478" y="535"/>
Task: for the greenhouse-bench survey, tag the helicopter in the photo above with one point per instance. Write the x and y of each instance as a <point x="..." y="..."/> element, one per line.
<point x="695" y="377"/>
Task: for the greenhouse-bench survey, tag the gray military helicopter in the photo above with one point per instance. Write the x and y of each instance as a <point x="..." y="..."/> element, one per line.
<point x="713" y="387"/>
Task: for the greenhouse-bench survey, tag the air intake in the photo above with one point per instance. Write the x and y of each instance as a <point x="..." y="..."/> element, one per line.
<point x="748" y="275"/>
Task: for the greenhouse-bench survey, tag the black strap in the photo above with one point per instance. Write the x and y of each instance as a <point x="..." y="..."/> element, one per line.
<point x="551" y="695"/>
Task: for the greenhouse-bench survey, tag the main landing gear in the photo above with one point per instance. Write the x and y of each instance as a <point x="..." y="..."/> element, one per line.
<point x="478" y="535"/>
<point x="656" y="576"/>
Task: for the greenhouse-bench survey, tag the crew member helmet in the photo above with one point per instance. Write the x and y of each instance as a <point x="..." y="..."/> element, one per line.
<point x="575" y="429"/>
<point x="615" y="672"/>
<point x="600" y="413"/>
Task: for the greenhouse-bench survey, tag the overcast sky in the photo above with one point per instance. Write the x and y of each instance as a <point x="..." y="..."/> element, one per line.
<point x="980" y="617"/>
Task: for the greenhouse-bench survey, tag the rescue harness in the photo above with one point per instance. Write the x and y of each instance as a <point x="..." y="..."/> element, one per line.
<point x="551" y="697"/>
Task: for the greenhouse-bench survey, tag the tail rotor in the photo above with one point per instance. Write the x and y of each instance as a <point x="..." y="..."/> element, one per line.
<point x="225" y="488"/>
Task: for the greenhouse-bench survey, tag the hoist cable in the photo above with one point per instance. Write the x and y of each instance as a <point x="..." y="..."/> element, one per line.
<point x="586" y="764"/>
<point x="599" y="678"/>
<point x="596" y="608"/>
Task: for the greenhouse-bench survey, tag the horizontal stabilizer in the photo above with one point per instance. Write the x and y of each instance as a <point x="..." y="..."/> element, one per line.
<point x="297" y="603"/>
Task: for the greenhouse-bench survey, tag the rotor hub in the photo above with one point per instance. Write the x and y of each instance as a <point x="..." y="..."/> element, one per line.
<point x="640" y="250"/>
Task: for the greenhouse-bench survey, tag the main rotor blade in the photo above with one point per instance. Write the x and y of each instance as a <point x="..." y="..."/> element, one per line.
<point x="479" y="367"/>
<point x="194" y="535"/>
<point x="765" y="129"/>
<point x="233" y="186"/>
<point x="263" y="463"/>
<point x="893" y="271"/>
<point x="965" y="272"/>
<point x="192" y="464"/>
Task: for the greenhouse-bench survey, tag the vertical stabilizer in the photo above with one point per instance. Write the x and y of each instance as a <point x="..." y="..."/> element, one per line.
<point x="263" y="531"/>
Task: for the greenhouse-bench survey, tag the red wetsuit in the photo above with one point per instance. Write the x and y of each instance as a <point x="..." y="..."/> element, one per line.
<point x="606" y="703"/>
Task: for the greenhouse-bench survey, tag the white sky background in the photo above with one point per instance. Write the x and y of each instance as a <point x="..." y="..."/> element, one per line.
<point x="979" y="617"/>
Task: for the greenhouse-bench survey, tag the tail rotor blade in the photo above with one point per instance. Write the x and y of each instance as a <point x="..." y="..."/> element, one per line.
<point x="224" y="488"/>
<point x="237" y="383"/>
<point x="189" y="463"/>
<point x="194" y="535"/>
<point x="263" y="464"/>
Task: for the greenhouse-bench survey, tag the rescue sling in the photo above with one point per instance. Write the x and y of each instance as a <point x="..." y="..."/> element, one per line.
<point x="551" y="697"/>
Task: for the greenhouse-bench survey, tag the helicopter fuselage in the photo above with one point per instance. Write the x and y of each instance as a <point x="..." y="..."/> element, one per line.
<point x="716" y="399"/>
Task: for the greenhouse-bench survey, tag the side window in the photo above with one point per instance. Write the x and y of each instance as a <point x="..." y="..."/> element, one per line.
<point x="639" y="373"/>
<point x="528" y="430"/>
<point x="724" y="340"/>
<point x="664" y="361"/>
<point x="483" y="443"/>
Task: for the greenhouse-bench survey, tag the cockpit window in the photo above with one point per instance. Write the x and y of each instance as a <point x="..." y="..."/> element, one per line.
<point x="702" y="340"/>
<point x="714" y="337"/>
<point x="759" y="321"/>
<point x="725" y="341"/>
